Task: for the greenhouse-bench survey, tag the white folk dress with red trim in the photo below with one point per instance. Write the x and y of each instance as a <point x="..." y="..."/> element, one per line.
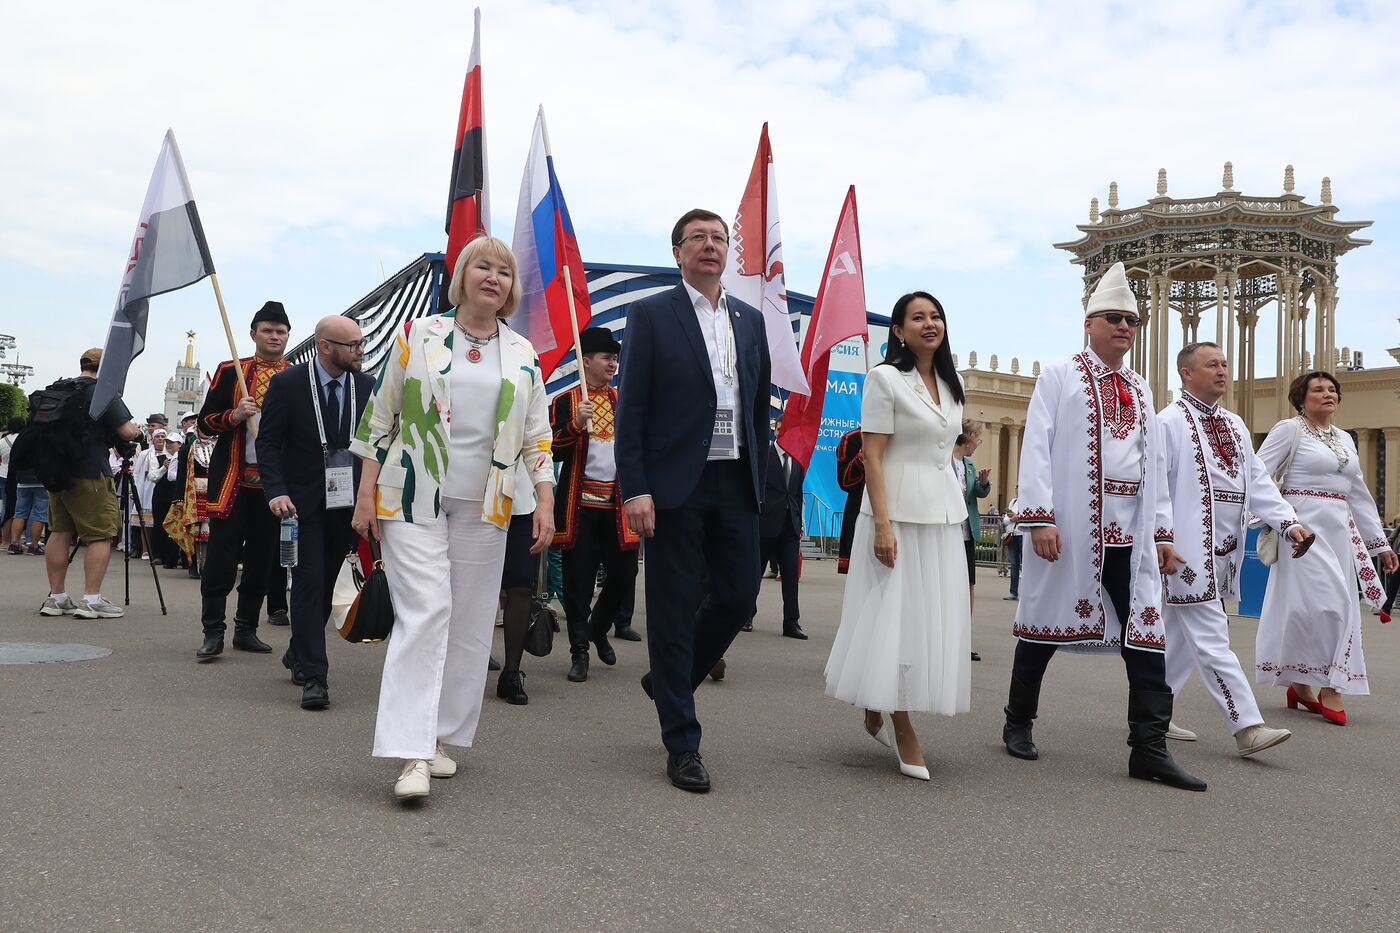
<point x="1077" y="407"/>
<point x="1310" y="626"/>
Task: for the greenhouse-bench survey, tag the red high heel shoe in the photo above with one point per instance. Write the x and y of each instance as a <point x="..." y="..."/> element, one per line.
<point x="1334" y="716"/>
<point x="1311" y="706"/>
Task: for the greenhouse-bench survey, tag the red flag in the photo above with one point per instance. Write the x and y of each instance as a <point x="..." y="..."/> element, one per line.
<point x="468" y="206"/>
<point x="838" y="315"/>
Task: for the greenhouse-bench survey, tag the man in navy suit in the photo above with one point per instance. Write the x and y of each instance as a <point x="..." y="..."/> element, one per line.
<point x="692" y="451"/>
<point x="780" y="531"/>
<point x="309" y="414"/>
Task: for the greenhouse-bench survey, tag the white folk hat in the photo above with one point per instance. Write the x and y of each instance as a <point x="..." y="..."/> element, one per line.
<point x="1112" y="293"/>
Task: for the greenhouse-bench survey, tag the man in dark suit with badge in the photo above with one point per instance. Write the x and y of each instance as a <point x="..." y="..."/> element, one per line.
<point x="692" y="451"/>
<point x="308" y="472"/>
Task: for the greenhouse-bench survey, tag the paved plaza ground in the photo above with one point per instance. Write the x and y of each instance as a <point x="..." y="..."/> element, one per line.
<point x="143" y="791"/>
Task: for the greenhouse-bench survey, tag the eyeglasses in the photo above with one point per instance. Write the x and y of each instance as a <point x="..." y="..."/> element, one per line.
<point x="1115" y="318"/>
<point x="352" y="345"/>
<point x="700" y="239"/>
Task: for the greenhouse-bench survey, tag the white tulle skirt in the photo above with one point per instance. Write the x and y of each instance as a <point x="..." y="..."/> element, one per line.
<point x="905" y="633"/>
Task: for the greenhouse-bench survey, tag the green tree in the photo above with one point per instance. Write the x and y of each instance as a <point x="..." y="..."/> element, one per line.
<point x="13" y="402"/>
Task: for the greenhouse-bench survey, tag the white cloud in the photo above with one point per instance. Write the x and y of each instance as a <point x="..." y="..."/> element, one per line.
<point x="318" y="137"/>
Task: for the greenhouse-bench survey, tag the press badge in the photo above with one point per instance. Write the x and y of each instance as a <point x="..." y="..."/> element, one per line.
<point x="340" y="479"/>
<point x="724" y="444"/>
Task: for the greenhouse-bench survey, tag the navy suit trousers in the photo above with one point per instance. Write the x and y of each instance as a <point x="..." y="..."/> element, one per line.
<point x="702" y="579"/>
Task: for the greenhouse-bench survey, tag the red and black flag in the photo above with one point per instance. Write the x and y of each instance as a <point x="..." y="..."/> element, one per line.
<point x="468" y="206"/>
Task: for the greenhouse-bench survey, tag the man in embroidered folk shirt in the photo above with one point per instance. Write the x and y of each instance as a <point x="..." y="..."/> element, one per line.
<point x="1093" y="500"/>
<point x="240" y="525"/>
<point x="1215" y="479"/>
<point x="589" y="522"/>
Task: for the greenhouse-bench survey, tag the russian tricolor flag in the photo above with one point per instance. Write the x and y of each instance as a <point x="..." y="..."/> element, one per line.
<point x="544" y="245"/>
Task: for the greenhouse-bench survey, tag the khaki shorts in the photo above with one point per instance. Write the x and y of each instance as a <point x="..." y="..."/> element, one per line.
<point x="89" y="509"/>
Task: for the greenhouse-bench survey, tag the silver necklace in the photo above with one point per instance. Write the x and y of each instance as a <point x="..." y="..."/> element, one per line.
<point x="1331" y="439"/>
<point x="476" y="343"/>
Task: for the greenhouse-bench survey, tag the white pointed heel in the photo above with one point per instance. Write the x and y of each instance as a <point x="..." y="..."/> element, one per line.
<point x="913" y="771"/>
<point x="883" y="736"/>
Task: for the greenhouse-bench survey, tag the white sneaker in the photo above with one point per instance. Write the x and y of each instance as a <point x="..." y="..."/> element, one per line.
<point x="102" y="609"/>
<point x="1253" y="739"/>
<point x="53" y="607"/>
<point x="413" y="781"/>
<point x="1181" y="735"/>
<point x="441" y="766"/>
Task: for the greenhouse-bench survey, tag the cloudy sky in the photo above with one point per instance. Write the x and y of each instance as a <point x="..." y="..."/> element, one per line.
<point x="318" y="139"/>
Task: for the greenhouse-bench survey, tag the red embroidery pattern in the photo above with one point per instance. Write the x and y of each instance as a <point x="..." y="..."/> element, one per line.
<point x="1162" y="535"/>
<point x="1121" y="487"/>
<point x="1187" y="575"/>
<point x="1149" y="616"/>
<point x="1225" y="495"/>
<point x="1114" y="536"/>
<point x="1227" y="546"/>
<point x="1377" y="544"/>
<point x="1083" y="608"/>
<point x="1036" y="515"/>
<point x="1229" y="699"/>
<point x="1207" y="528"/>
<point x="1316" y="494"/>
<point x="1118" y="414"/>
<point x="1364" y="569"/>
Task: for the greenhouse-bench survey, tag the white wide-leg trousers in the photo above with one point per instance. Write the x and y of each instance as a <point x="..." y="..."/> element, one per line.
<point x="1198" y="638"/>
<point x="445" y="579"/>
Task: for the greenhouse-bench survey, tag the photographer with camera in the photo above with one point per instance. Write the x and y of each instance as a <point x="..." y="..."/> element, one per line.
<point x="69" y="450"/>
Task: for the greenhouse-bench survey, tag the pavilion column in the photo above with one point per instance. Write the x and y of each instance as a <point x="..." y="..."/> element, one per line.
<point x="1159" y="293"/>
<point x="1366" y="453"/>
<point x="1327" y="323"/>
<point x="1013" y="460"/>
<point x="989" y="454"/>
<point x="1281" y="350"/>
<point x="1245" y="397"/>
<point x="1391" y="504"/>
<point x="1227" y="324"/>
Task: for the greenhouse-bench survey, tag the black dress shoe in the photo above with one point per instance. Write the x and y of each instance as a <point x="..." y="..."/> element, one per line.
<point x="248" y="640"/>
<point x="194" y="573"/>
<point x="646" y="686"/>
<point x="606" y="654"/>
<point x="976" y="656"/>
<point x="493" y="664"/>
<point x="213" y="647"/>
<point x="315" y="695"/>
<point x="627" y="633"/>
<point x="793" y="629"/>
<point x="687" y="772"/>
<point x="510" y="689"/>
<point x="747" y="626"/>
<point x="290" y="664"/>
<point x="278" y="618"/>
<point x="578" y="670"/>
<point x="717" y="672"/>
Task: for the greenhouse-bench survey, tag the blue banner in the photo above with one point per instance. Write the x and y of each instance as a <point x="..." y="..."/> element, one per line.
<point x="840" y="413"/>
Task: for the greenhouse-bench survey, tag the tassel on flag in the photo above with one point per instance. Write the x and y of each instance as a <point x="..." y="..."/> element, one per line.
<point x="168" y="253"/>
<point x="838" y="315"/>
<point x="468" y="204"/>
<point x="754" y="272"/>
<point x="545" y="245"/>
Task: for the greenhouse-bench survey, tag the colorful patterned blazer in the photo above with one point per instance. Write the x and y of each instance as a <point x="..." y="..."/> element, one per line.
<point x="405" y="424"/>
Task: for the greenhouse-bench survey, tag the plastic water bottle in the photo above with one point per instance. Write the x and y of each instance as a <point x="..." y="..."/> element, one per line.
<point x="288" y="547"/>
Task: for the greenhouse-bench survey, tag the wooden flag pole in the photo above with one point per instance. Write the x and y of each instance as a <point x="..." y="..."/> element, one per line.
<point x="233" y="347"/>
<point x="578" y="347"/>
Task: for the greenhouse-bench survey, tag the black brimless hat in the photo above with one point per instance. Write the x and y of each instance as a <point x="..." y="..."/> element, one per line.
<point x="273" y="313"/>
<point x="598" y="340"/>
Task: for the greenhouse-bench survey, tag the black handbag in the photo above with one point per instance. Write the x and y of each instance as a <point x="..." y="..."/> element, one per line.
<point x="544" y="622"/>
<point x="371" y="615"/>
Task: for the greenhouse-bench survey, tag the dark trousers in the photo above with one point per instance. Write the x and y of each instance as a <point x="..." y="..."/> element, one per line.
<point x="595" y="545"/>
<point x="1013" y="553"/>
<point x="248" y="533"/>
<point x="1147" y="670"/>
<point x="629" y="605"/>
<point x="322" y="543"/>
<point x="277" y="579"/>
<point x="162" y="548"/>
<point x="1391" y="585"/>
<point x="702" y="580"/>
<point x="783" y="550"/>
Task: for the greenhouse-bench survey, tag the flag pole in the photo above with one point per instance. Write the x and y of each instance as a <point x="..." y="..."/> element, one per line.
<point x="578" y="347"/>
<point x="233" y="347"/>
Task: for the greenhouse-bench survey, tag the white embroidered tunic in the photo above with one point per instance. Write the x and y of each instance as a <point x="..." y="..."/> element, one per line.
<point x="1084" y="418"/>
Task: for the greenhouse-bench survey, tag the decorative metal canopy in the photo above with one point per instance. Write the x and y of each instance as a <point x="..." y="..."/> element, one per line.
<point x="1232" y="252"/>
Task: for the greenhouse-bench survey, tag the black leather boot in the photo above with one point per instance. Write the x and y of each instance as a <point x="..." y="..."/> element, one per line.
<point x="1149" y="713"/>
<point x="510" y="689"/>
<point x="606" y="654"/>
<point x="213" y="647"/>
<point x="245" y="638"/>
<point x="1022" y="703"/>
<point x="578" y="671"/>
<point x="290" y="663"/>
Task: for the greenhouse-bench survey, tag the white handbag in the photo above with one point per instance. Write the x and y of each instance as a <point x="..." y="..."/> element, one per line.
<point x="1267" y="545"/>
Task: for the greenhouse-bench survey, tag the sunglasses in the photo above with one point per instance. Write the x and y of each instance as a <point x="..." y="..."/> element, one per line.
<point x="1115" y="318"/>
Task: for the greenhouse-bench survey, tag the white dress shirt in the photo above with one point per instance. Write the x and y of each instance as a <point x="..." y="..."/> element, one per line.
<point x="718" y="332"/>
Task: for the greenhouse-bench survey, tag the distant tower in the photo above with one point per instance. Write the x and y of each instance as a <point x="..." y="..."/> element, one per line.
<point x="185" y="392"/>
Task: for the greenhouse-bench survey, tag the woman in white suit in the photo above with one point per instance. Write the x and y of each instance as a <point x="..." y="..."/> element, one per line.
<point x="458" y="403"/>
<point x="905" y="632"/>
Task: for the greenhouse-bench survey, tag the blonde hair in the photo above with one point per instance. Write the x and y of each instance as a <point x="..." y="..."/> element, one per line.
<point x="497" y="249"/>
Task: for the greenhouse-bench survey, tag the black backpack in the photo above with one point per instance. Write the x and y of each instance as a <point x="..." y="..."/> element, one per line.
<point x="54" y="441"/>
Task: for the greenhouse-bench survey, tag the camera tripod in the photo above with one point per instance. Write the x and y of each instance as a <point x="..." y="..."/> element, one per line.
<point x="129" y="495"/>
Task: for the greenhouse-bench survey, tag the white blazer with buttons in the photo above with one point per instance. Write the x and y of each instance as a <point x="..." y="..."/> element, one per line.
<point x="920" y="484"/>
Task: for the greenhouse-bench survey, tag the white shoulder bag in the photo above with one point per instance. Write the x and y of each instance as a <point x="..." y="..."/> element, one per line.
<point x="1267" y="545"/>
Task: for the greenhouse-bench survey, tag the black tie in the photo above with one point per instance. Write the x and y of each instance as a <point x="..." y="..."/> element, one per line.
<point x="333" y="413"/>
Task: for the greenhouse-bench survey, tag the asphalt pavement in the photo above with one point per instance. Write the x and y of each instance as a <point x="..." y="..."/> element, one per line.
<point x="143" y="791"/>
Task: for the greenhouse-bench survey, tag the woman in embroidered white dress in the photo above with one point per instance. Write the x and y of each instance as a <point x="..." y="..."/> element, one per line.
<point x="1309" y="637"/>
<point x="905" y="634"/>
